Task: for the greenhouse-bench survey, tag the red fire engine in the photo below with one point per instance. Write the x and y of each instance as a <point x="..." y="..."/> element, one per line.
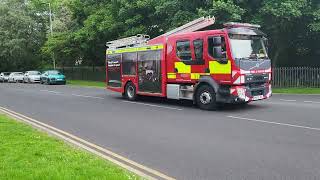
<point x="210" y="67"/>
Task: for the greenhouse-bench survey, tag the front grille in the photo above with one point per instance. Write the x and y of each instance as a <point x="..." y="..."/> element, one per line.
<point x="252" y="78"/>
<point x="258" y="78"/>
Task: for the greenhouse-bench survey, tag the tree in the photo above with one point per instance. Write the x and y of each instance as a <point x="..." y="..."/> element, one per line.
<point x="81" y="27"/>
<point x="22" y="34"/>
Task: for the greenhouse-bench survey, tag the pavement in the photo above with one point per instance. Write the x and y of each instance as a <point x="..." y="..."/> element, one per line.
<point x="275" y="139"/>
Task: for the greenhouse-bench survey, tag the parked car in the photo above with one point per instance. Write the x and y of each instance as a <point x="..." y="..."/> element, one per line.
<point x="16" y="77"/>
<point x="4" y="76"/>
<point x="52" y="77"/>
<point x="31" y="77"/>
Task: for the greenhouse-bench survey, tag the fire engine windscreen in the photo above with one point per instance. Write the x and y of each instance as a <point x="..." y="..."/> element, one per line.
<point x="248" y="46"/>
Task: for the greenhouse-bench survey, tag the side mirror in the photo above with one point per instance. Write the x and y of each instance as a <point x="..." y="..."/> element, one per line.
<point x="217" y="52"/>
<point x="219" y="55"/>
<point x="217" y="41"/>
<point x="266" y="43"/>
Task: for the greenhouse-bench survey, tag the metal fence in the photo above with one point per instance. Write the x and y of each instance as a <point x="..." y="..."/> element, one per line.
<point x="282" y="77"/>
<point x="85" y="73"/>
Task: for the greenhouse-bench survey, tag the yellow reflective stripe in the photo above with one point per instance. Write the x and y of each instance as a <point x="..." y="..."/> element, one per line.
<point x="171" y="75"/>
<point x="135" y="49"/>
<point x="198" y="75"/>
<point x="182" y="68"/>
<point x="217" y="68"/>
<point x="195" y="75"/>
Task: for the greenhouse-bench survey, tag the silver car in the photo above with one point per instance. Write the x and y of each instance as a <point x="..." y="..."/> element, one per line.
<point x="4" y="76"/>
<point x="32" y="77"/>
<point x="15" y="77"/>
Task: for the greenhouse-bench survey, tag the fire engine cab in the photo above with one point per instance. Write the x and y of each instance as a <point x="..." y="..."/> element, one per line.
<point x="209" y="67"/>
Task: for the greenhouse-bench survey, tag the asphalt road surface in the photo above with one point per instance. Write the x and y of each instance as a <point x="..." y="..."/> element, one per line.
<point x="276" y="139"/>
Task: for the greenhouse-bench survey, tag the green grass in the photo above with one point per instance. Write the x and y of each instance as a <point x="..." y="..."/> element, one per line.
<point x="297" y="90"/>
<point x="86" y="83"/>
<point x="26" y="153"/>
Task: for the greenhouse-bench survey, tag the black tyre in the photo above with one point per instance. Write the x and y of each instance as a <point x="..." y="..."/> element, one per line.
<point x="206" y="98"/>
<point x="48" y="82"/>
<point x="130" y="92"/>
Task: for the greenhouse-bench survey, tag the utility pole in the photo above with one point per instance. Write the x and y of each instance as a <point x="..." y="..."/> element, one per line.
<point x="51" y="34"/>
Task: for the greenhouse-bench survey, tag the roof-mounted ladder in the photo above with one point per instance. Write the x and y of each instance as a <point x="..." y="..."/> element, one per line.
<point x="142" y="39"/>
<point x="132" y="41"/>
<point x="192" y="26"/>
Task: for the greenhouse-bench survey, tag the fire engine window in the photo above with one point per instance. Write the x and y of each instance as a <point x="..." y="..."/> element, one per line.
<point x="114" y="70"/>
<point x="198" y="49"/>
<point x="183" y="50"/>
<point x="129" y="63"/>
<point x="217" y="47"/>
<point x="149" y="71"/>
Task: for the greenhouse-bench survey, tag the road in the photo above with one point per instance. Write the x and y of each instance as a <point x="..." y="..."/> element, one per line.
<point x="271" y="140"/>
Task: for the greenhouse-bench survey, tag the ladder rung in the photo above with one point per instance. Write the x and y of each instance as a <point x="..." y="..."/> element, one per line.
<point x="128" y="41"/>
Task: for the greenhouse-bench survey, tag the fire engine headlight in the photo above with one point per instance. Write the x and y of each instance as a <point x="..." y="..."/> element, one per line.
<point x="241" y="93"/>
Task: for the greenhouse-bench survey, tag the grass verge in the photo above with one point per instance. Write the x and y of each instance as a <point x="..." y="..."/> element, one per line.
<point x="297" y="90"/>
<point x="26" y="153"/>
<point x="86" y="83"/>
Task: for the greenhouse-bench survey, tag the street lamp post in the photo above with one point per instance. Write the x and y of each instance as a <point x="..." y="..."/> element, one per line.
<point x="51" y="33"/>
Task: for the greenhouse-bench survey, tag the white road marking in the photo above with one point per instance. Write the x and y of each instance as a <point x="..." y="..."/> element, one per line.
<point x="78" y="95"/>
<point x="130" y="165"/>
<point x="55" y="92"/>
<point x="313" y="102"/>
<point x="275" y="123"/>
<point x="153" y="105"/>
<point x="288" y="100"/>
<point x="94" y="97"/>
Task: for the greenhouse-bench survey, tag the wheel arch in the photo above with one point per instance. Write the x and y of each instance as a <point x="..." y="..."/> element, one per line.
<point x="125" y="84"/>
<point x="206" y="80"/>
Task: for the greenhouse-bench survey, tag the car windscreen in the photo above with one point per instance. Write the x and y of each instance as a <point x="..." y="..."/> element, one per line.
<point x="34" y="73"/>
<point x="54" y="73"/>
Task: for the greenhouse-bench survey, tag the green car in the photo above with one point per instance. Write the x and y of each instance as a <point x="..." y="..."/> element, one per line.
<point x="52" y="77"/>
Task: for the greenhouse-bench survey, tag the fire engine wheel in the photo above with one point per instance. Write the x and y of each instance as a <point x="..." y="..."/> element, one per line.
<point x="130" y="92"/>
<point x="206" y="98"/>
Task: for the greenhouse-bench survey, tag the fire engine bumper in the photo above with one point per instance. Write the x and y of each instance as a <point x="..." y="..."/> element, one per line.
<point x="245" y="93"/>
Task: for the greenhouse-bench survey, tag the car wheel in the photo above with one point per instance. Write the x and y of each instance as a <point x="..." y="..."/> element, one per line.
<point x="130" y="92"/>
<point x="48" y="82"/>
<point x="205" y="98"/>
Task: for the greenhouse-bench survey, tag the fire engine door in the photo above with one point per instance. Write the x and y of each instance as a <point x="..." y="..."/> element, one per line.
<point x="149" y="71"/>
<point x="189" y="61"/>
